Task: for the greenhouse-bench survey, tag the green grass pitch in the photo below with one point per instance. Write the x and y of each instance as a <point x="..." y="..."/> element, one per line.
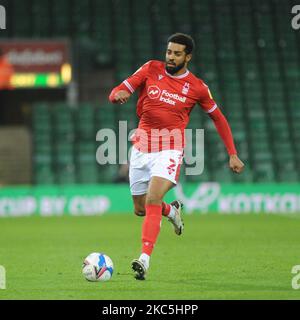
<point x="217" y="257"/>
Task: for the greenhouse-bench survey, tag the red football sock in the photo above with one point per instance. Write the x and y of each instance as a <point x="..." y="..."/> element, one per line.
<point x="151" y="227"/>
<point x="165" y="209"/>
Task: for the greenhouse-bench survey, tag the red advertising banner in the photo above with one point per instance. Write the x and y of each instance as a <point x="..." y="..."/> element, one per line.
<point x="38" y="63"/>
<point x="36" y="55"/>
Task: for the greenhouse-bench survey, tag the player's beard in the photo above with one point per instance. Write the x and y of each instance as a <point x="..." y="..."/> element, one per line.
<point x="172" y="70"/>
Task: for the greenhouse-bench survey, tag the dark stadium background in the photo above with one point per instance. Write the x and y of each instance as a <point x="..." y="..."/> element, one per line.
<point x="248" y="52"/>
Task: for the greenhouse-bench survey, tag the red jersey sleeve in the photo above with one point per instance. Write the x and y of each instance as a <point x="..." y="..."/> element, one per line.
<point x="138" y="78"/>
<point x="209" y="105"/>
<point x="206" y="100"/>
<point x="224" y="130"/>
<point x="132" y="83"/>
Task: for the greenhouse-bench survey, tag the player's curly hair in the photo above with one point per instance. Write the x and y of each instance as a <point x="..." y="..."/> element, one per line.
<point x="184" y="39"/>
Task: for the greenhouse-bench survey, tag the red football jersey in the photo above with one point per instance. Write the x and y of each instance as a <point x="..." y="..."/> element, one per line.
<point x="165" y="102"/>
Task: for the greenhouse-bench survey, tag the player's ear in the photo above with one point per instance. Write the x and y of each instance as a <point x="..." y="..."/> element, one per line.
<point x="188" y="57"/>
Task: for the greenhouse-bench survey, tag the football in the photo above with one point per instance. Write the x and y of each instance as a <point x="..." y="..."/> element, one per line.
<point x="97" y="267"/>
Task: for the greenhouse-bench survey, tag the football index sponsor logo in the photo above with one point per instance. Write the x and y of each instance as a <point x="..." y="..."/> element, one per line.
<point x="171" y="98"/>
<point x="154" y="92"/>
<point x="2" y="278"/>
<point x="296" y="19"/>
<point x="2" y="18"/>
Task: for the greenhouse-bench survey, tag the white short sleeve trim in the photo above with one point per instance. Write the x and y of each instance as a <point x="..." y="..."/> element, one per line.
<point x="127" y="84"/>
<point x="212" y="109"/>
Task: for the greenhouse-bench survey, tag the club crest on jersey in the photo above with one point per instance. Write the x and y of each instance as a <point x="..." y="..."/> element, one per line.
<point x="160" y="77"/>
<point x="185" y="88"/>
<point x="153" y="92"/>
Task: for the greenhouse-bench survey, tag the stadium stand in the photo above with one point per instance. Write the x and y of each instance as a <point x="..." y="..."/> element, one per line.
<point x="244" y="53"/>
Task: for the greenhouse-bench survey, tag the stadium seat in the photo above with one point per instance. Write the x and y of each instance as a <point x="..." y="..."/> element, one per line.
<point x="44" y="175"/>
<point x="222" y="175"/>
<point x="264" y="172"/>
<point x="108" y="172"/>
<point x="66" y="175"/>
<point x="88" y="174"/>
<point x="85" y="126"/>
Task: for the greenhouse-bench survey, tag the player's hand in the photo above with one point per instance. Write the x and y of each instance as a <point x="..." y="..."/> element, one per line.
<point x="121" y="96"/>
<point x="235" y="164"/>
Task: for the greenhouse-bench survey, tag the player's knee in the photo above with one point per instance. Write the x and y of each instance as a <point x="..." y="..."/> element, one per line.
<point x="139" y="210"/>
<point x="153" y="199"/>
